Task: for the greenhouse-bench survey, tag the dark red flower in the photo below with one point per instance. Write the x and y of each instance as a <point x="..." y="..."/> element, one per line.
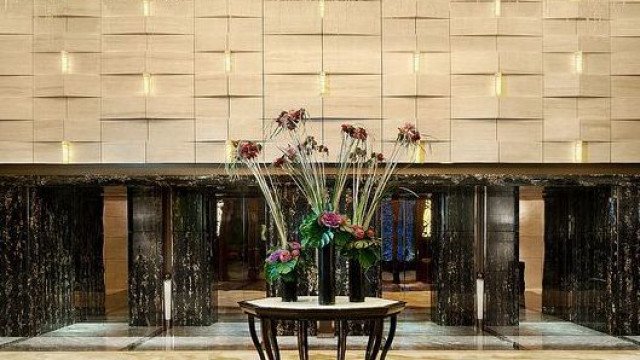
<point x="359" y="133"/>
<point x="358" y="232"/>
<point x="371" y="233"/>
<point x="249" y="150"/>
<point x="279" y="161"/>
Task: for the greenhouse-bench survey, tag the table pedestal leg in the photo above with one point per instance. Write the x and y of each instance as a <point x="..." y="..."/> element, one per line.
<point x="274" y="340"/>
<point x="269" y="339"/>
<point x="254" y="337"/>
<point x="303" y="344"/>
<point x="343" y="329"/>
<point x="375" y="339"/>
<point x="389" y="341"/>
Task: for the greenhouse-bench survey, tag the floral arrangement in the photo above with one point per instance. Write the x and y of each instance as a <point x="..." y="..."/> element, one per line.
<point x="282" y="263"/>
<point x="282" y="260"/>
<point x="304" y="161"/>
<point x="370" y="177"/>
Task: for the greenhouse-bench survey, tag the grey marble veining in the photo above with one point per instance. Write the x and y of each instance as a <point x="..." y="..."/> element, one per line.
<point x="411" y="335"/>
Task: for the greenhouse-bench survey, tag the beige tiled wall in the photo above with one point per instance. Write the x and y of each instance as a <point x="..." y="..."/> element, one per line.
<point x="170" y="80"/>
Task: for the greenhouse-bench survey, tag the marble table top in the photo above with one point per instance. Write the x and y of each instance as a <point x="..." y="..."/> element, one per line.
<point x="311" y="302"/>
<point x="307" y="308"/>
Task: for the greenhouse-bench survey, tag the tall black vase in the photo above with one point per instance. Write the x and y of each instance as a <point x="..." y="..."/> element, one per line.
<point x="356" y="281"/>
<point x="327" y="274"/>
<point x="289" y="290"/>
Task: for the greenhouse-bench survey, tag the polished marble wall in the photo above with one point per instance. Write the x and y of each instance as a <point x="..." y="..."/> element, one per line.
<point x="454" y="260"/>
<point x="591" y="270"/>
<point x="171" y="236"/>
<point x="50" y="258"/>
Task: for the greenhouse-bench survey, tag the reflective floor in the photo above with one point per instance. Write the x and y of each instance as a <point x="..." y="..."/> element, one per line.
<point x="411" y="335"/>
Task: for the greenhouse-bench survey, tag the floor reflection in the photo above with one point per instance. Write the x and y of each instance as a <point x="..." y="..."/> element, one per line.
<point x="234" y="335"/>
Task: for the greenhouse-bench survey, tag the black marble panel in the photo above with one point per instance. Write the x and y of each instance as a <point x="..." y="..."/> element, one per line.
<point x="193" y="226"/>
<point x="584" y="266"/>
<point x="145" y="256"/>
<point x="501" y="268"/>
<point x="454" y="266"/>
<point x="44" y="230"/>
<point x="623" y="284"/>
<point x="88" y="244"/>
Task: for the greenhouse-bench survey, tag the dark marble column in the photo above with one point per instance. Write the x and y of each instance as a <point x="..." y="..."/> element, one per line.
<point x="88" y="252"/>
<point x="43" y="230"/>
<point x="581" y="264"/>
<point x="192" y="258"/>
<point x="145" y="256"/>
<point x="453" y="251"/>
<point x="623" y="281"/>
<point x="501" y="266"/>
<point x="14" y="261"/>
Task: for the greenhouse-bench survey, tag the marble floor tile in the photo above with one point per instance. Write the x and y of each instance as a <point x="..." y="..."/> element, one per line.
<point x="329" y="355"/>
<point x="75" y="343"/>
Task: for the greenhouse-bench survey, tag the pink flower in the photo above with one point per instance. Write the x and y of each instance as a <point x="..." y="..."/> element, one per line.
<point x="285" y="256"/>
<point x="330" y="220"/>
<point x="295" y="253"/>
<point x="358" y="232"/>
<point x="291" y="152"/>
<point x="295" y="245"/>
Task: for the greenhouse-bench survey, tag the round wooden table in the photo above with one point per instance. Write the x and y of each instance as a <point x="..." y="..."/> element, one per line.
<point x="270" y="310"/>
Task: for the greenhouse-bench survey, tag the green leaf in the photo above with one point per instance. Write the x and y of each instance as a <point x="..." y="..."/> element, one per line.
<point x="327" y="236"/>
<point x="310" y="231"/>
<point x="342" y="239"/>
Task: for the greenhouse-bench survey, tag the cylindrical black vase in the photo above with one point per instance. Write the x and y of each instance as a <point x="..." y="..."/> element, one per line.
<point x="289" y="290"/>
<point x="327" y="275"/>
<point x="356" y="281"/>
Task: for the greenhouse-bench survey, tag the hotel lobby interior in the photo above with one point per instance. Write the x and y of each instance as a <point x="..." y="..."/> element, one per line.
<point x="319" y="179"/>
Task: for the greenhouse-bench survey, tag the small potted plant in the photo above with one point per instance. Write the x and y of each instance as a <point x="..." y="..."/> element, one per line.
<point x="282" y="265"/>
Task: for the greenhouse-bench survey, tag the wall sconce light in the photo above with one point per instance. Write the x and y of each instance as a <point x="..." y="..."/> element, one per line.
<point x="498" y="7"/>
<point x="227" y="61"/>
<point x="321" y="8"/>
<point x="66" y="152"/>
<point x="479" y="301"/>
<point x="64" y="61"/>
<point x="168" y="301"/>
<point x="416" y="62"/>
<point x="146" y="8"/>
<point x="324" y="83"/>
<point x="579" y="152"/>
<point x="498" y="84"/>
<point x="579" y="61"/>
<point x="146" y="83"/>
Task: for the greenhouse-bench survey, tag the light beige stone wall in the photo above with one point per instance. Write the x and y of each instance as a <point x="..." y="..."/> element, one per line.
<point x="153" y="81"/>
<point x="116" y="274"/>
<point x="532" y="244"/>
